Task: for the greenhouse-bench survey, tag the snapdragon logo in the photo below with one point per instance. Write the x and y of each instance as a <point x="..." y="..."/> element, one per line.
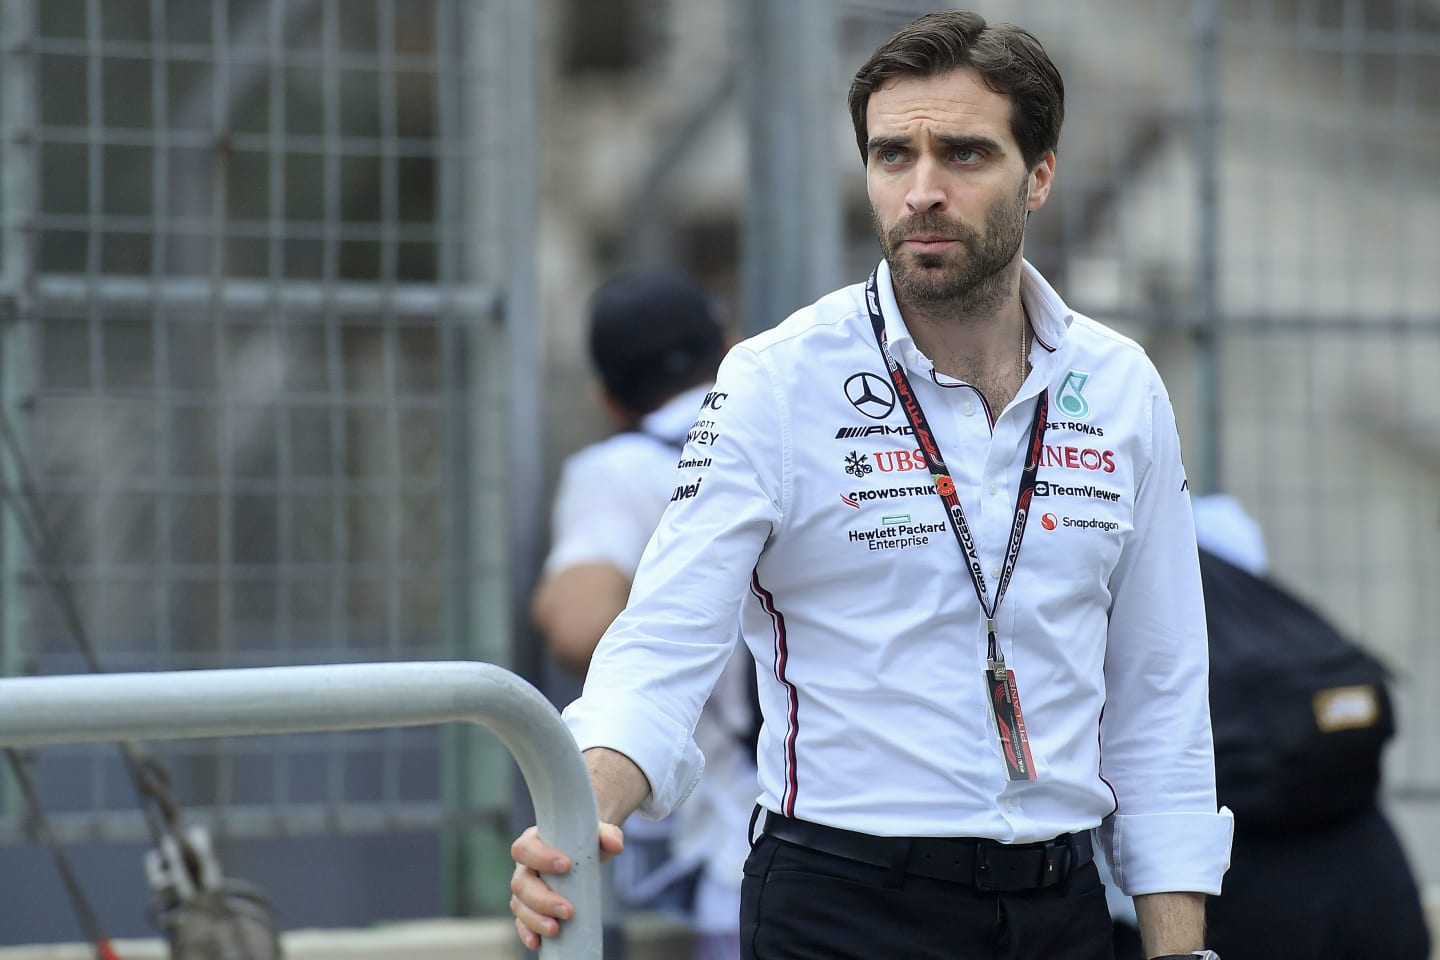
<point x="1050" y="521"/>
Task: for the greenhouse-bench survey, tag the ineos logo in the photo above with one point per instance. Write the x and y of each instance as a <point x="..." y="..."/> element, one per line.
<point x="871" y="395"/>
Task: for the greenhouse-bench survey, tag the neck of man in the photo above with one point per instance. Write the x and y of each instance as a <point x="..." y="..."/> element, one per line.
<point x="975" y="337"/>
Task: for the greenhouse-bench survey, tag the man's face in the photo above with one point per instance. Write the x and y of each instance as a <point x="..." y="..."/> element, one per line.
<point x="949" y="191"/>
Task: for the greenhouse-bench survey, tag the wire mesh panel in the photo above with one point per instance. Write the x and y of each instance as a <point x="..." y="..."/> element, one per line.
<point x="1252" y="190"/>
<point x="254" y="349"/>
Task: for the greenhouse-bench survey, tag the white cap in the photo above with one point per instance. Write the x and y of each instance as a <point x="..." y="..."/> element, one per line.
<point x="1224" y="528"/>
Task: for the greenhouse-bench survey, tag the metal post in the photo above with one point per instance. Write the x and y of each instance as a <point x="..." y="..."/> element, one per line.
<point x="184" y="704"/>
<point x="792" y="235"/>
<point x="490" y="132"/>
<point x="19" y="200"/>
<point x="1207" y="294"/>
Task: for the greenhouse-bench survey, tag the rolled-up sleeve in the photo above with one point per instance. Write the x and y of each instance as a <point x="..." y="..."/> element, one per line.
<point x="656" y="665"/>
<point x="1157" y="752"/>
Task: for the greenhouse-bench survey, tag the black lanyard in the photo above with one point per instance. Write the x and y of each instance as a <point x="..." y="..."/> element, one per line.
<point x="945" y="484"/>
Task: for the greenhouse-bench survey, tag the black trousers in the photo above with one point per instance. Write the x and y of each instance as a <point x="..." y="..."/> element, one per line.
<point x="800" y="904"/>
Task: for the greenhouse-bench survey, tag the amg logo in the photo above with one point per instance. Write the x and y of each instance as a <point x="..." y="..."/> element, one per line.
<point x="878" y="430"/>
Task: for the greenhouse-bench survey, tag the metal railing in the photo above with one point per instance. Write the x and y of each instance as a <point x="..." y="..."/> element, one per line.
<point x="180" y="704"/>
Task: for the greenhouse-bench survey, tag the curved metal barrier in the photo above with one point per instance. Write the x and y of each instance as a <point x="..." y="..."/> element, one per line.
<point x="181" y="704"/>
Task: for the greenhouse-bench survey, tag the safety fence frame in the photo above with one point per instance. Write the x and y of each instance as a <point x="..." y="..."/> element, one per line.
<point x="265" y="338"/>
<point x="183" y="704"/>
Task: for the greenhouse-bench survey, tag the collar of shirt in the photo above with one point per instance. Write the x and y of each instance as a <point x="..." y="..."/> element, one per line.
<point x="674" y="418"/>
<point x="1049" y="317"/>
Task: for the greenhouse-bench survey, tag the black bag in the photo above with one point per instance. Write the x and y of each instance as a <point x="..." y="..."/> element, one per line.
<point x="1301" y="714"/>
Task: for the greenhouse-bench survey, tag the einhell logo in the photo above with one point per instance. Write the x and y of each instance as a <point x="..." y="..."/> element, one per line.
<point x="1048" y="521"/>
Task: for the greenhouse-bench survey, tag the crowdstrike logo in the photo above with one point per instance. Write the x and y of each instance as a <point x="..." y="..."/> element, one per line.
<point x="855" y="497"/>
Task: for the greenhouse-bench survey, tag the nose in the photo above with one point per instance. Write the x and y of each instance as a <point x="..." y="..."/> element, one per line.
<point x="926" y="189"/>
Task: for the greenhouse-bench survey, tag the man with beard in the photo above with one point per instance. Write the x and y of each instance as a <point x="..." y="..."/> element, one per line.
<point x="953" y="725"/>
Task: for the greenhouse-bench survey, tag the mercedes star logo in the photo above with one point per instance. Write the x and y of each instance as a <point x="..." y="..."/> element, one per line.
<point x="871" y="395"/>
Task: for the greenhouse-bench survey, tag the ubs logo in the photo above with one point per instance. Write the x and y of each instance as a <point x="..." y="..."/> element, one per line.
<point x="871" y="395"/>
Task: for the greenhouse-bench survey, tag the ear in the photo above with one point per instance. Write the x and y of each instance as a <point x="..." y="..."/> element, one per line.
<point x="1041" y="176"/>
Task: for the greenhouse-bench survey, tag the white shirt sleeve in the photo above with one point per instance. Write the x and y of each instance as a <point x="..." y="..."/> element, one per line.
<point x="658" y="662"/>
<point x="1156" y="748"/>
<point x="609" y="498"/>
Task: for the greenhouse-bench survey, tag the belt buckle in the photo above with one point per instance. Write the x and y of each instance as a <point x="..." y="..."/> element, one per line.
<point x="1000" y="870"/>
<point x="1054" y="863"/>
<point x="996" y="868"/>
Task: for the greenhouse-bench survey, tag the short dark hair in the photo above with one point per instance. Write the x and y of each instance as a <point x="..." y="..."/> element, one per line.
<point x="1008" y="58"/>
<point x="653" y="333"/>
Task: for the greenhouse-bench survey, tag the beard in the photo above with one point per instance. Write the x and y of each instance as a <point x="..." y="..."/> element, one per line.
<point x="973" y="276"/>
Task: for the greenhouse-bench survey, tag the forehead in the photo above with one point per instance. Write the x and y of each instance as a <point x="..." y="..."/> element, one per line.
<point x="957" y="102"/>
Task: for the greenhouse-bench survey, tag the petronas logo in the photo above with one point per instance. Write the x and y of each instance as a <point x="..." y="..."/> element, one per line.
<point x="1071" y="400"/>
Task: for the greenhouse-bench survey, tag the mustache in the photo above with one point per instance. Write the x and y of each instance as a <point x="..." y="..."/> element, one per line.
<point x="928" y="225"/>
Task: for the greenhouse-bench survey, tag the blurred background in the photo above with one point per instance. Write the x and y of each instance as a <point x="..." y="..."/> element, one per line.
<point x="291" y="307"/>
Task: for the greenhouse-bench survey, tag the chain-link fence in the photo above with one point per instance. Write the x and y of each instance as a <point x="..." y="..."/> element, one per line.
<point x="263" y="261"/>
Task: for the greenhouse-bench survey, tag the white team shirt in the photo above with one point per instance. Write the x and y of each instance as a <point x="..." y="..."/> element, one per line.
<point x="608" y="500"/>
<point x="804" y="503"/>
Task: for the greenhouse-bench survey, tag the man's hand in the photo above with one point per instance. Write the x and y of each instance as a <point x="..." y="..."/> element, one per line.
<point x="538" y="910"/>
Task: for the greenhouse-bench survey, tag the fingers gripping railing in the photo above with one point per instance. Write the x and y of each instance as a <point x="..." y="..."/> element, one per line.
<point x="40" y="711"/>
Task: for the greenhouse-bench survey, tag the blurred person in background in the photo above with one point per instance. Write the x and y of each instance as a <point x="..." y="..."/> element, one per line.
<point x="656" y="340"/>
<point x="857" y="489"/>
<point x="1317" y="870"/>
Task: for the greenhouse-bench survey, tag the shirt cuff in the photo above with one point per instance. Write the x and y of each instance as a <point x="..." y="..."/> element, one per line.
<point x="1168" y="852"/>
<point x="662" y="749"/>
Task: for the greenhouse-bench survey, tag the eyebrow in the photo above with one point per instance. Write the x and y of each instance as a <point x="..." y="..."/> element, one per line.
<point x="953" y="141"/>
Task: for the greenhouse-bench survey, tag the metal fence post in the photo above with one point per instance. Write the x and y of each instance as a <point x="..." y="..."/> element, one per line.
<point x="19" y="199"/>
<point x="1207" y="292"/>
<point x="793" y="206"/>
<point x="183" y="704"/>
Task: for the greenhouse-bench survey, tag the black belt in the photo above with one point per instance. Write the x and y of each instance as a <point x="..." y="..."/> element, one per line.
<point x="983" y="864"/>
